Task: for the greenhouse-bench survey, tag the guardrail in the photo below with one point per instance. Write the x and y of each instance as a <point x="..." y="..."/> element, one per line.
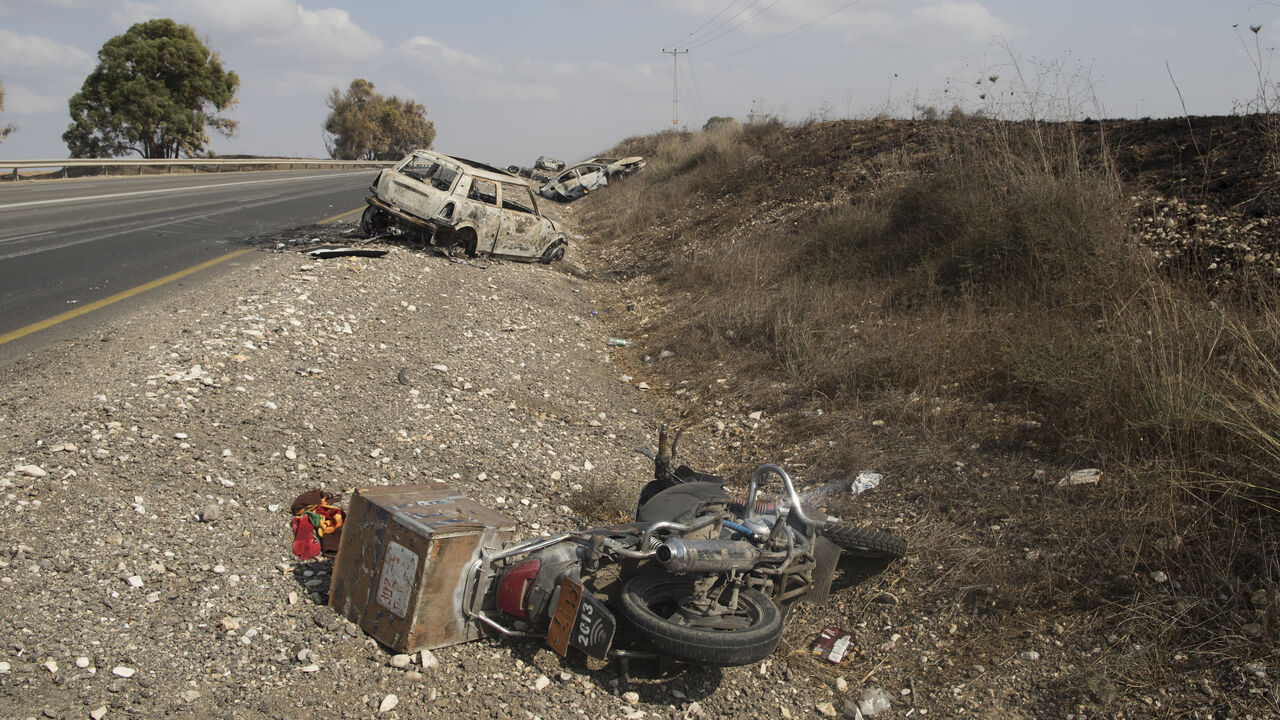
<point x="219" y="164"/>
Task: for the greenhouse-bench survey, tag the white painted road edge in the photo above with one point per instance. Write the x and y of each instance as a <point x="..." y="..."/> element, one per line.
<point x="137" y="193"/>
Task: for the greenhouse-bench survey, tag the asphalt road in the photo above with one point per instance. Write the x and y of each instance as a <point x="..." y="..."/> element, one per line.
<point x="72" y="244"/>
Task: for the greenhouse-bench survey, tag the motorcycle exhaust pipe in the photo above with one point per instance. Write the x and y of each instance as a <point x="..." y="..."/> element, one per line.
<point x="681" y="555"/>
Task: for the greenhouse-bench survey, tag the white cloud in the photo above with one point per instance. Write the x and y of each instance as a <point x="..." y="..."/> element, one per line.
<point x="282" y="27"/>
<point x="33" y="52"/>
<point x="963" y="21"/>
<point x="465" y="75"/>
<point x="435" y="55"/>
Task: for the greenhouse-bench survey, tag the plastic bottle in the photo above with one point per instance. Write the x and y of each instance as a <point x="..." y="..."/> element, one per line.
<point x="617" y="342"/>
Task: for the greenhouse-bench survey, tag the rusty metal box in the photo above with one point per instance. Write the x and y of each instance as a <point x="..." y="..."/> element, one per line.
<point x="400" y="570"/>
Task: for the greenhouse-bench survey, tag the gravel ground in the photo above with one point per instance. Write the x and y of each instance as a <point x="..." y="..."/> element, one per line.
<point x="149" y="467"/>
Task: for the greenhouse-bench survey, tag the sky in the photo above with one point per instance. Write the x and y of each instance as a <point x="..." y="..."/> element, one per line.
<point x="505" y="81"/>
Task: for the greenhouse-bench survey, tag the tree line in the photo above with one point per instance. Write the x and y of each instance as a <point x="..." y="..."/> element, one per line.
<point x="158" y="92"/>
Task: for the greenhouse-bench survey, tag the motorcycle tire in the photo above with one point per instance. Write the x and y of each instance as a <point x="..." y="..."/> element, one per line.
<point x="864" y="543"/>
<point x="650" y="602"/>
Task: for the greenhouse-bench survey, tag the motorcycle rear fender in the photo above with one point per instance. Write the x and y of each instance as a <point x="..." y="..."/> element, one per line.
<point x="554" y="563"/>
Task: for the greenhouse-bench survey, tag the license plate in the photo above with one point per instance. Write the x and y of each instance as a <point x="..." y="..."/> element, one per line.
<point x="580" y="620"/>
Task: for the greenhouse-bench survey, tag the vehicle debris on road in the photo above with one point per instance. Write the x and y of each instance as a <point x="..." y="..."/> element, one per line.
<point x="333" y="252"/>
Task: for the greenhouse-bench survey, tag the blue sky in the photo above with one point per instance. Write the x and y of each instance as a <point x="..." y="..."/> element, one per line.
<point x="507" y="81"/>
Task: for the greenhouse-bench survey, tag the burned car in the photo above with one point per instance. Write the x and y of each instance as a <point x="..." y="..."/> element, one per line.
<point x="619" y="166"/>
<point x="575" y="182"/>
<point x="587" y="176"/>
<point x="546" y="162"/>
<point x="461" y="205"/>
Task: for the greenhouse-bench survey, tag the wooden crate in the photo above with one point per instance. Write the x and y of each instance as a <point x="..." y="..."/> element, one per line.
<point x="400" y="570"/>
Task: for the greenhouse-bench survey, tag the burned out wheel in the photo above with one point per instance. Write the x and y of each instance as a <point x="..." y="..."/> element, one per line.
<point x="372" y="221"/>
<point x="468" y="243"/>
<point x="553" y="253"/>
<point x="661" y="610"/>
<point x="864" y="543"/>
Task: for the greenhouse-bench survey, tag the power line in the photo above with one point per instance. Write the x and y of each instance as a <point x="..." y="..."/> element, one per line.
<point x="779" y="37"/>
<point x="708" y="22"/>
<point x="726" y="21"/>
<point x="726" y="31"/>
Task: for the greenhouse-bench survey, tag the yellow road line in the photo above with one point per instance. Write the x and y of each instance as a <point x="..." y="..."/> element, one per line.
<point x="335" y="218"/>
<point x="98" y="304"/>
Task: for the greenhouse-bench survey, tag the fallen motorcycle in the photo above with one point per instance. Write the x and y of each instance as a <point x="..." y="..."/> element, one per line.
<point x="698" y="576"/>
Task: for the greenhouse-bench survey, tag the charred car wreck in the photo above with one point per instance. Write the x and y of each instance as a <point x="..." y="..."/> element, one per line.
<point x="587" y="176"/>
<point x="461" y="205"/>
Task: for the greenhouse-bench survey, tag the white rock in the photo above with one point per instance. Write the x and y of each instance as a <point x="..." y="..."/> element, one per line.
<point x="642" y="386"/>
<point x="400" y="661"/>
<point x="180" y="436"/>
<point x="4" y="667"/>
<point x="51" y="666"/>
<point x="310" y="668"/>
<point x="34" y="471"/>
<point x="219" y="569"/>
<point x="1159" y="576"/>
<point x="388" y="703"/>
<point x="135" y="581"/>
<point x="440" y="368"/>
<point x="631" y="697"/>
<point x="82" y="662"/>
<point x="189" y="696"/>
<point x="428" y="660"/>
<point x="122" y="671"/>
<point x="541" y="683"/>
<point x="841" y="685"/>
<point x="1029" y="655"/>
<point x="555" y="475"/>
<point x="586" y="465"/>
<point x="826" y="709"/>
<point x="756" y="415"/>
<point x="98" y="713"/>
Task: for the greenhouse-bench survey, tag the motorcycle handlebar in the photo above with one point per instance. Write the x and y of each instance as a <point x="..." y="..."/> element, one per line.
<point x="792" y="495"/>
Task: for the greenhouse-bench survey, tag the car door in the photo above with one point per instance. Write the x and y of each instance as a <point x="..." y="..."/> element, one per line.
<point x="523" y="232"/>
<point x="481" y="209"/>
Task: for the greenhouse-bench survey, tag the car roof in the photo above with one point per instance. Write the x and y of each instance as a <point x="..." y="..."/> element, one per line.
<point x="478" y="169"/>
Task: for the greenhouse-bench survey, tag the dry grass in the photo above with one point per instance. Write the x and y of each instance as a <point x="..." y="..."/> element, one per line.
<point x="985" y="279"/>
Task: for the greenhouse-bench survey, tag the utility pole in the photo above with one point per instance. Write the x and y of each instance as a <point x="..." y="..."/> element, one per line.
<point x="675" y="80"/>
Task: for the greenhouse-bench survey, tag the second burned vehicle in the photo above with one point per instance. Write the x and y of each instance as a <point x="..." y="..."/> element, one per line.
<point x="584" y="177"/>
<point x="462" y="205"/>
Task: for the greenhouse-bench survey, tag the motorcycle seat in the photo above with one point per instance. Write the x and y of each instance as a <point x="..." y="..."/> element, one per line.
<point x="681" y="502"/>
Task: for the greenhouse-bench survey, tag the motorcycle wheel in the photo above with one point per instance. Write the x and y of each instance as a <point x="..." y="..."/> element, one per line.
<point x="864" y="543"/>
<point x="651" y="603"/>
